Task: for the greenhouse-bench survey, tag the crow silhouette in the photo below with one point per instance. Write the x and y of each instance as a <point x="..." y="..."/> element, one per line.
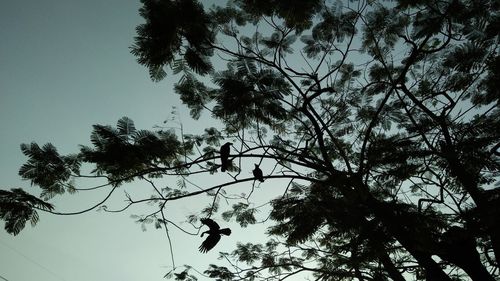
<point x="214" y="233"/>
<point x="257" y="173"/>
<point x="224" y="155"/>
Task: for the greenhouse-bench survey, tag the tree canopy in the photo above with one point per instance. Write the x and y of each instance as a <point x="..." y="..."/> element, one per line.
<point x="379" y="120"/>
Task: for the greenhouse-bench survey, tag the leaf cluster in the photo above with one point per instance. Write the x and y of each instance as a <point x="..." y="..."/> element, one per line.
<point x="48" y="169"/>
<point x="124" y="151"/>
<point x="17" y="207"/>
<point x="169" y="26"/>
<point x="296" y="14"/>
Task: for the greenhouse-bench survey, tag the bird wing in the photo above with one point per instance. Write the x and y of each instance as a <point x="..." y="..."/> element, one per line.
<point x="209" y="243"/>
<point x="210" y="223"/>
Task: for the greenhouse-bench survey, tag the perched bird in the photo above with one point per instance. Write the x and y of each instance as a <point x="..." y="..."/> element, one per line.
<point x="224" y="155"/>
<point x="257" y="173"/>
<point x="213" y="235"/>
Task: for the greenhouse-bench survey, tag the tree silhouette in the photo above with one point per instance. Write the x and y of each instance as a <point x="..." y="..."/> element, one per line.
<point x="379" y="120"/>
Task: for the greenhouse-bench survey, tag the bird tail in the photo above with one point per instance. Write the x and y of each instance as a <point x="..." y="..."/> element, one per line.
<point x="202" y="249"/>
<point x="225" y="231"/>
<point x="223" y="167"/>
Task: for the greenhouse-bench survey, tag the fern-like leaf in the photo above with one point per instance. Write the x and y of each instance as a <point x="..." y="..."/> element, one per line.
<point x="17" y="207"/>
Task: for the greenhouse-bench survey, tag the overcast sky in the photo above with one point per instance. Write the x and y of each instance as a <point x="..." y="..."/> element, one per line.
<point x="64" y="66"/>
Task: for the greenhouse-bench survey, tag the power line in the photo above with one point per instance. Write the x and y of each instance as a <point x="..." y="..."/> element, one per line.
<point x="32" y="261"/>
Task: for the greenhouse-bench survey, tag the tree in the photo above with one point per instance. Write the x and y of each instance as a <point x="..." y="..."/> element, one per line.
<point x="382" y="116"/>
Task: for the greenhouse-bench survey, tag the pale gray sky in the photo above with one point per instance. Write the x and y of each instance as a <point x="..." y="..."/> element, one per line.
<point x="64" y="66"/>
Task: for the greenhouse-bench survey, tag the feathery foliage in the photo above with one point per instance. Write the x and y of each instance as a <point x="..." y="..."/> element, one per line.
<point x="17" y="207"/>
<point x="376" y="124"/>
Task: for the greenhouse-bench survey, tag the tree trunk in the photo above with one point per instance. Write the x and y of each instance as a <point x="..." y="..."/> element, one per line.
<point x="469" y="183"/>
<point x="477" y="272"/>
<point x="458" y="246"/>
<point x="390" y="268"/>
<point x="432" y="269"/>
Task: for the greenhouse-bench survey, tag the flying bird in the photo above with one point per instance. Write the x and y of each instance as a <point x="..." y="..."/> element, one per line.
<point x="257" y="173"/>
<point x="213" y="235"/>
<point x="224" y="155"/>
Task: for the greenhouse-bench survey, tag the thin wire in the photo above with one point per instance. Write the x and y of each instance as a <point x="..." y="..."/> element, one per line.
<point x="3" y="278"/>
<point x="32" y="261"/>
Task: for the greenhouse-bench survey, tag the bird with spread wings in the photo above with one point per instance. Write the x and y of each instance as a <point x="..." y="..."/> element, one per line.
<point x="214" y="233"/>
